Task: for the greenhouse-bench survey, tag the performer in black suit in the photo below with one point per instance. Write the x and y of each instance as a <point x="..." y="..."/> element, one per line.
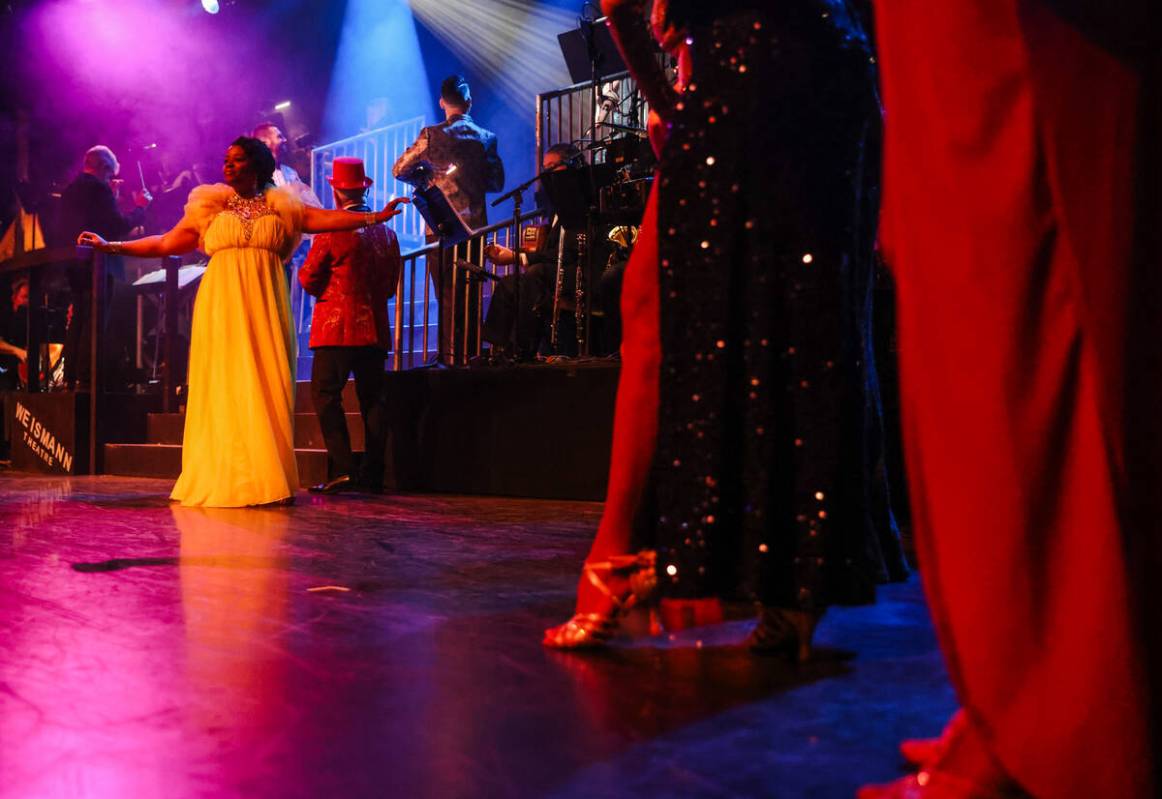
<point x="90" y="203"/>
<point x="460" y="158"/>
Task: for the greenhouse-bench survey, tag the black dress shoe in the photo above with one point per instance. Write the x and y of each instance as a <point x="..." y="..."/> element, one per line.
<point x="341" y="483"/>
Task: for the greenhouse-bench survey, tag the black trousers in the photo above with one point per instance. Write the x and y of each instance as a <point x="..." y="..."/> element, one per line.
<point x="329" y="372"/>
<point x="528" y="314"/>
<point x="117" y="329"/>
<point x="457" y="299"/>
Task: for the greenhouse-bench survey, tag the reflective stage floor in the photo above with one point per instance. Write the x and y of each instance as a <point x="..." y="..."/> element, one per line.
<point x="390" y="647"/>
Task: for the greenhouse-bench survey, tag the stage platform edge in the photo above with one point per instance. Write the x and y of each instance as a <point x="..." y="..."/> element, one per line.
<point x="538" y="431"/>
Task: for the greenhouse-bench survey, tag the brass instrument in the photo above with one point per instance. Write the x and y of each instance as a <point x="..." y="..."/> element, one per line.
<point x="623" y="236"/>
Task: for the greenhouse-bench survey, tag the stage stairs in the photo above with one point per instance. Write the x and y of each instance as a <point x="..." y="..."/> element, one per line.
<point x="161" y="454"/>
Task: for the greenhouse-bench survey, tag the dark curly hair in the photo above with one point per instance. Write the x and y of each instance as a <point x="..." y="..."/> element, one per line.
<point x="260" y="157"/>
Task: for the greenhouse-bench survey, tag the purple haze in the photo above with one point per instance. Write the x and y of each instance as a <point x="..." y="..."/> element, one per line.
<point x="137" y="72"/>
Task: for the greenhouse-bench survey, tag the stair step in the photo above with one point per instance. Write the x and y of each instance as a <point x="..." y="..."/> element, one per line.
<point x="165" y="460"/>
<point x="303" y="397"/>
<point x="167" y="428"/>
<point x="143" y="460"/>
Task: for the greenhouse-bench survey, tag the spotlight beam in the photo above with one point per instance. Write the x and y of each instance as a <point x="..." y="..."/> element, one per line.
<point x="510" y="43"/>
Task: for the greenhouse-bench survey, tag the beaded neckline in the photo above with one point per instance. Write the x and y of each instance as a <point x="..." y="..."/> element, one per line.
<point x="248" y="211"/>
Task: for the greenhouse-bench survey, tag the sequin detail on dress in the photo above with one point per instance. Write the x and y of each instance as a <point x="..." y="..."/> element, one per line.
<point x="763" y="474"/>
<point x="248" y="211"/>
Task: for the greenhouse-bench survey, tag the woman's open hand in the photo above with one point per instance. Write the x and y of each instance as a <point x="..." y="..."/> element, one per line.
<point x="88" y="239"/>
<point x="392" y="209"/>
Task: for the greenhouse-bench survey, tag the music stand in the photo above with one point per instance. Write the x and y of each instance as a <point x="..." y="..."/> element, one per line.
<point x="573" y="192"/>
<point x="450" y="230"/>
<point x="589" y="52"/>
<point x="441" y="217"/>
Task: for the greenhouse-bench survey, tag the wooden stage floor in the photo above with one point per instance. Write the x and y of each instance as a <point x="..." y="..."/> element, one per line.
<point x="390" y="647"/>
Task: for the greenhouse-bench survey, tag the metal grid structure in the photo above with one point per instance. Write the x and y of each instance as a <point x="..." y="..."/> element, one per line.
<point x="414" y="320"/>
<point x="562" y="115"/>
<point x="379" y="149"/>
<point x="566" y="115"/>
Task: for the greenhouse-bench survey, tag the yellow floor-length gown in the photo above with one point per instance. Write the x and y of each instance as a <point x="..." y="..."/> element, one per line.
<point x="238" y="447"/>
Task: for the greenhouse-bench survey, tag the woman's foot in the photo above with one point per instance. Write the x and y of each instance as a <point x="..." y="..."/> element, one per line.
<point x="939" y="785"/>
<point x="921" y="752"/>
<point x="965" y="768"/>
<point x="607" y="589"/>
<point x="781" y="631"/>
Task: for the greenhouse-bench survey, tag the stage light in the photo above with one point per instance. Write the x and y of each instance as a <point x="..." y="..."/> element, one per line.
<point x="210" y="6"/>
<point x="511" y="44"/>
<point x="284" y="105"/>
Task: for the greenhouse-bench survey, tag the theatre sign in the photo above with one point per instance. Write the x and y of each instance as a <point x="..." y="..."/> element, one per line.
<point x="44" y="433"/>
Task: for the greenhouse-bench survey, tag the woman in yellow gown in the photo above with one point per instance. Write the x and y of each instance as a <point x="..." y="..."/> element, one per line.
<point x="238" y="447"/>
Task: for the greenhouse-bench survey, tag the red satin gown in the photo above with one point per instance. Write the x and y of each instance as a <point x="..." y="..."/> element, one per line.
<point x="1012" y="182"/>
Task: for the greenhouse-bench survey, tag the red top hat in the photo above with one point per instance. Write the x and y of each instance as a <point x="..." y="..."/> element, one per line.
<point x="347" y="173"/>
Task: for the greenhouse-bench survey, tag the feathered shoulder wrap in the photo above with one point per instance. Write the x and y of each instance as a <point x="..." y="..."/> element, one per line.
<point x="285" y="202"/>
<point x="207" y="201"/>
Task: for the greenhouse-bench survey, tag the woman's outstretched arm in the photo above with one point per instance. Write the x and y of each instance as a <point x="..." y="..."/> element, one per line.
<point x="320" y="220"/>
<point x="176" y="241"/>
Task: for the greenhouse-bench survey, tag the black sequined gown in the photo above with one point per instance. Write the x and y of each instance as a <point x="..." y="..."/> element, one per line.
<point x="767" y="476"/>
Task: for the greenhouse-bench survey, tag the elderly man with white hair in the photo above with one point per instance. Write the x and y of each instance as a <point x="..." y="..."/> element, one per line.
<point x="90" y="203"/>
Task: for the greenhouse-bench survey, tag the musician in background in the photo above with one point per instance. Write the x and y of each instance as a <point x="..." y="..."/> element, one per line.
<point x="14" y="336"/>
<point x="90" y="203"/>
<point x="270" y="134"/>
<point x="607" y="291"/>
<point x="13" y="353"/>
<point x="461" y="159"/>
<point x="532" y="314"/>
<point x="177" y="180"/>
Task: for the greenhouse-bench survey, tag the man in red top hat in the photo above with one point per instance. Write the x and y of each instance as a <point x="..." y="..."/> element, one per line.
<point x="352" y="274"/>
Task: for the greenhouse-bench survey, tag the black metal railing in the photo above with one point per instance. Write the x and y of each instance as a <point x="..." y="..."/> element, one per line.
<point x="34" y="264"/>
<point x="415" y="321"/>
<point x="567" y="115"/>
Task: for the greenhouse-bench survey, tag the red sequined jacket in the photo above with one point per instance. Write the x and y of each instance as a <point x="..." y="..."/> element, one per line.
<point x="352" y="273"/>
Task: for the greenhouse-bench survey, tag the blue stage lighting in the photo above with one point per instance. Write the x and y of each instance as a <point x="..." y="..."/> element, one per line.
<point x="210" y="6"/>
<point x="379" y="76"/>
